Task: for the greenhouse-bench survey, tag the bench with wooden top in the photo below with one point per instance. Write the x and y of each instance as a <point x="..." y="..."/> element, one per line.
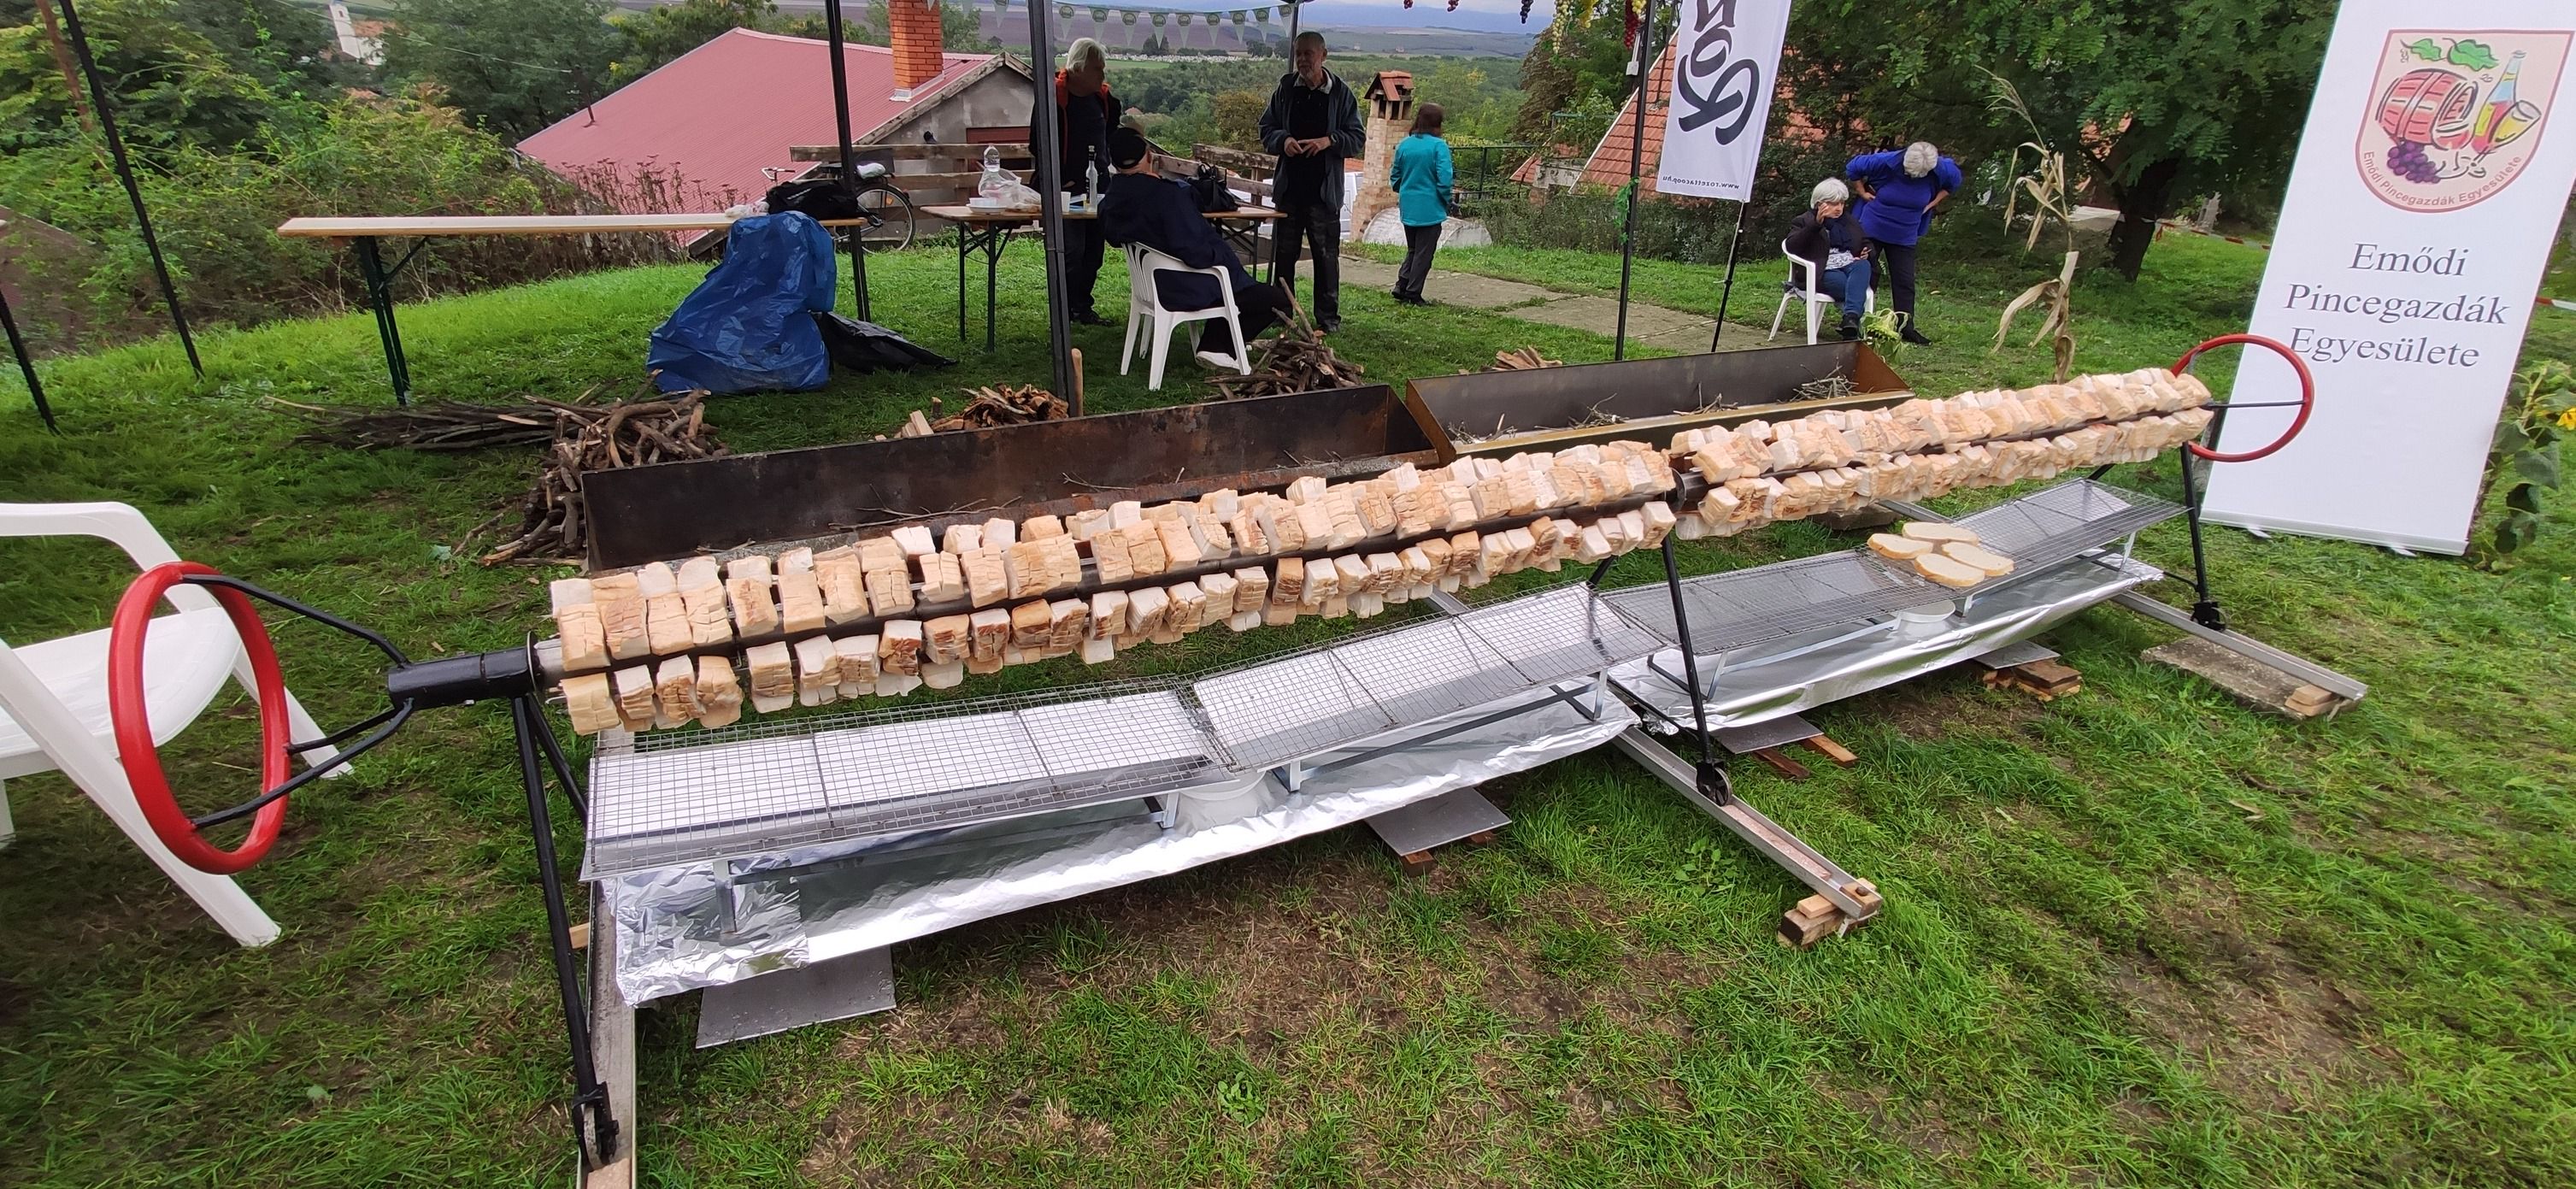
<point x="362" y="232"/>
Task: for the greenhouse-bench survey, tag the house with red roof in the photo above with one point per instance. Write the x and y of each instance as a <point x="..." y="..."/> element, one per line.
<point x="698" y="133"/>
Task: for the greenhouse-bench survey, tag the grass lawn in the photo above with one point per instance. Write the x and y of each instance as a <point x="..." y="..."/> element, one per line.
<point x="2139" y="936"/>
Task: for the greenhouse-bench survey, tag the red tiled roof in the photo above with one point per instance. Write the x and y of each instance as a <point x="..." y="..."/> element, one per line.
<point x="716" y="115"/>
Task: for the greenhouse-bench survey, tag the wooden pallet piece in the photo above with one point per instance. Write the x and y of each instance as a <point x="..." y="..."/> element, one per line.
<point x="1781" y="763"/>
<point x="1843" y="757"/>
<point x="1419" y="863"/>
<point x="2046" y="680"/>
<point x="1815" y="918"/>
<point x="2248" y="680"/>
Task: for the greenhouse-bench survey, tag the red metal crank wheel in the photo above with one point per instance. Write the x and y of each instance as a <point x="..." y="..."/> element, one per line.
<point x="2307" y="394"/>
<point x="131" y="718"/>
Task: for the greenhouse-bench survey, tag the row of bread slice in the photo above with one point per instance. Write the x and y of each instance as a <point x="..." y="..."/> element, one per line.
<point x="1949" y="554"/>
<point x="902" y="655"/>
<point x="1740" y="504"/>
<point x="1840" y="437"/>
<point x="661" y="610"/>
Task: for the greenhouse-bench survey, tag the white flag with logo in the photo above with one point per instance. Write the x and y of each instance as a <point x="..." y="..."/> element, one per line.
<point x="1726" y="64"/>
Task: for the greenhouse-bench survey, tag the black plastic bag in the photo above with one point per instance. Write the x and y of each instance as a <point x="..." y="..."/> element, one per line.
<point x="866" y="347"/>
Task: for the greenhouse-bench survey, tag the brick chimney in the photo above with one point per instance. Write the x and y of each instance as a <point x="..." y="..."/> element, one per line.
<point x="913" y="26"/>
<point x="1390" y="116"/>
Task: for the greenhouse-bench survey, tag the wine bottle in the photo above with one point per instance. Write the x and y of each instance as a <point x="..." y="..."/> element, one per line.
<point x="2482" y="138"/>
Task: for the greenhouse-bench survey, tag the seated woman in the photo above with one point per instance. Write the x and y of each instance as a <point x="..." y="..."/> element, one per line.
<point x="1829" y="239"/>
<point x="1140" y="206"/>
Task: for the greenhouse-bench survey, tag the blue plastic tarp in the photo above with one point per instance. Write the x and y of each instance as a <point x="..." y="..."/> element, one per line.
<point x="750" y="324"/>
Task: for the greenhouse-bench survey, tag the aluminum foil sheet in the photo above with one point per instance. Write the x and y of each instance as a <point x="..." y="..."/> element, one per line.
<point x="704" y="925"/>
<point x="1828" y="665"/>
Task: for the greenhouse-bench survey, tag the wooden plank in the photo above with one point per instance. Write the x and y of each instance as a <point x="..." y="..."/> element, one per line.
<point x="965" y="214"/>
<point x="1781" y="763"/>
<point x="1833" y="751"/>
<point x="307" y="227"/>
<point x="1419" y="863"/>
<point x="612" y="1052"/>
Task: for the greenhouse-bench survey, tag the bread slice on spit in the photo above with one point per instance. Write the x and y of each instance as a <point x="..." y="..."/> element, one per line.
<point x="1936" y="531"/>
<point x="1991" y="563"/>
<point x="1889" y="545"/>
<point x="1947" y="571"/>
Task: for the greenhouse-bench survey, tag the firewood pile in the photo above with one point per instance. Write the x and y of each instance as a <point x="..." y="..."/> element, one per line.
<point x="1010" y="404"/>
<point x="1296" y="361"/>
<point x="1522" y="360"/>
<point x="586" y="438"/>
<point x="445" y="425"/>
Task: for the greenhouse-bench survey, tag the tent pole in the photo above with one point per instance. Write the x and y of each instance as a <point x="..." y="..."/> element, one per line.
<point x="125" y="173"/>
<point x="1636" y="193"/>
<point x="26" y="364"/>
<point x="1727" y="294"/>
<point x="849" y="166"/>
<point x="1050" y="187"/>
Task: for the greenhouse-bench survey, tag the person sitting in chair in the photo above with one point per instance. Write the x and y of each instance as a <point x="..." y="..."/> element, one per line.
<point x="1141" y="207"/>
<point x="1829" y="238"/>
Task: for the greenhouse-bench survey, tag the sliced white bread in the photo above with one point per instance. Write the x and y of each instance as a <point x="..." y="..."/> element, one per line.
<point x="1948" y="572"/>
<point x="1934" y="530"/>
<point x="1978" y="557"/>
<point x="1890" y="545"/>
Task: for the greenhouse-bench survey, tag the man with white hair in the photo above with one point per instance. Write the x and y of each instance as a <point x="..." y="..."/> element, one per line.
<point x="1313" y="124"/>
<point x="1085" y="111"/>
<point x="1835" y="248"/>
<point x="1900" y="189"/>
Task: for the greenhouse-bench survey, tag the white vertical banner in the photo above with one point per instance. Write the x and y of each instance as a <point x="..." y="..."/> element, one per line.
<point x="1726" y="66"/>
<point x="2426" y="192"/>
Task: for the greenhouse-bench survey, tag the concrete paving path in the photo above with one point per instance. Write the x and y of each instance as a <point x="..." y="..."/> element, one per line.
<point x="1652" y="325"/>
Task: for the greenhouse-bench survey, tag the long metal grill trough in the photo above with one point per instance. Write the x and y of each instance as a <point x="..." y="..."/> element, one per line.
<point x="765" y="786"/>
<point x="2041" y="530"/>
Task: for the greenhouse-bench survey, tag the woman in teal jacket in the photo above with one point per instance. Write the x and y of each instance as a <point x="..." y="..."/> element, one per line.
<point x="1421" y="175"/>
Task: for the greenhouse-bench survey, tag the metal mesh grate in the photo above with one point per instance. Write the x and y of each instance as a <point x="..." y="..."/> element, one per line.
<point x="1742" y="608"/>
<point x="1431" y="669"/>
<point x="2057" y="524"/>
<point x="1569" y="631"/>
<point x="1277" y="710"/>
<point x="676" y="806"/>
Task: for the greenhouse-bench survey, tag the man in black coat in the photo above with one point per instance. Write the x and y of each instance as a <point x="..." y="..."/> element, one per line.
<point x="1313" y="125"/>
<point x="1143" y="207"/>
<point x="1838" y="254"/>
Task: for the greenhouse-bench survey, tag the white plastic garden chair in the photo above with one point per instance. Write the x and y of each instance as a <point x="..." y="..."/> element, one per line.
<point x="1145" y="306"/>
<point x="1817" y="301"/>
<point x="53" y="699"/>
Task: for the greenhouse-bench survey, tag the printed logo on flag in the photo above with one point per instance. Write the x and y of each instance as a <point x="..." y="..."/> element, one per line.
<point x="2456" y="116"/>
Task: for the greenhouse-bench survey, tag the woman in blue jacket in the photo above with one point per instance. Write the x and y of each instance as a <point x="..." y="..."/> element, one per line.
<point x="1421" y="174"/>
<point x="1899" y="191"/>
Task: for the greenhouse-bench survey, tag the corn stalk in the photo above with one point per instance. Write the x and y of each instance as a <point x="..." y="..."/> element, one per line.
<point x="2050" y="199"/>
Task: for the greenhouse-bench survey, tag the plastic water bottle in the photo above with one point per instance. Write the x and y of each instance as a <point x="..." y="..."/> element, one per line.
<point x="995" y="183"/>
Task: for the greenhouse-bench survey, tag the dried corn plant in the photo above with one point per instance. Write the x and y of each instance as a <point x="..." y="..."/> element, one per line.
<point x="2050" y="200"/>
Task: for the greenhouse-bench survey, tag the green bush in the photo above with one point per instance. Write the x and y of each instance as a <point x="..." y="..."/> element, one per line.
<point x="217" y="213"/>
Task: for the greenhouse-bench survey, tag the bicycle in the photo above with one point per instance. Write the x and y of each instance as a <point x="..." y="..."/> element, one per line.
<point x="885" y="207"/>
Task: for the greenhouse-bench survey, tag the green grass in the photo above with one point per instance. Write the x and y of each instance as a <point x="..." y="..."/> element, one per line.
<point x="2139" y="936"/>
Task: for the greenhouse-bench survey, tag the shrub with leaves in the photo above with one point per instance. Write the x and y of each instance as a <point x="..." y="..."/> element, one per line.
<point x="2540" y="411"/>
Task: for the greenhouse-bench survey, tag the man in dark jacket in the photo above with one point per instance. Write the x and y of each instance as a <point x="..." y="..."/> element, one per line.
<point x="1143" y="207"/>
<point x="1829" y="238"/>
<point x="1085" y="111"/>
<point x="1313" y="125"/>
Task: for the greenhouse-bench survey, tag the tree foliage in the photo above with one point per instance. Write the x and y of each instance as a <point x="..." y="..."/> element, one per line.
<point x="2155" y="100"/>
<point x="172" y="84"/>
<point x="512" y="66"/>
<point x="670" y="30"/>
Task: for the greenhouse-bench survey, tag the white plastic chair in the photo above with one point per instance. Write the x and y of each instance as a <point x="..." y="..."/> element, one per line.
<point x="1816" y="299"/>
<point x="1144" y="303"/>
<point x="53" y="699"/>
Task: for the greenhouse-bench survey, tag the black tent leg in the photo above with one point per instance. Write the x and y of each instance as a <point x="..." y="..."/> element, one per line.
<point x="1713" y="782"/>
<point x="380" y="297"/>
<point x="26" y="365"/>
<point x="1726" y="296"/>
<point x="2205" y="612"/>
<point x="1049" y="178"/>
<point x="1645" y="68"/>
<point x="125" y="173"/>
<point x="589" y="1095"/>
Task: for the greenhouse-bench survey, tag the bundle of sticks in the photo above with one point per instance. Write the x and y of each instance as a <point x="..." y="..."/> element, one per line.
<point x="1295" y="361"/>
<point x="884" y="615"/>
<point x="443" y="425"/>
<point x="1010" y="404"/>
<point x="587" y="438"/>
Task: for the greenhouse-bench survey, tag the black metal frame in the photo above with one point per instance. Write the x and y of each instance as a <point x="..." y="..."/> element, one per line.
<point x="26" y="364"/>
<point x="380" y="300"/>
<point x="512" y="674"/>
<point x="106" y="111"/>
<point x="989" y="239"/>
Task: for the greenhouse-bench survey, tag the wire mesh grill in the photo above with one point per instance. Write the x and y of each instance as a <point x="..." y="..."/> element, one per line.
<point x="1742" y="608"/>
<point x="649" y="810"/>
<point x="1277" y="710"/>
<point x="2057" y="524"/>
<point x="1569" y="631"/>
